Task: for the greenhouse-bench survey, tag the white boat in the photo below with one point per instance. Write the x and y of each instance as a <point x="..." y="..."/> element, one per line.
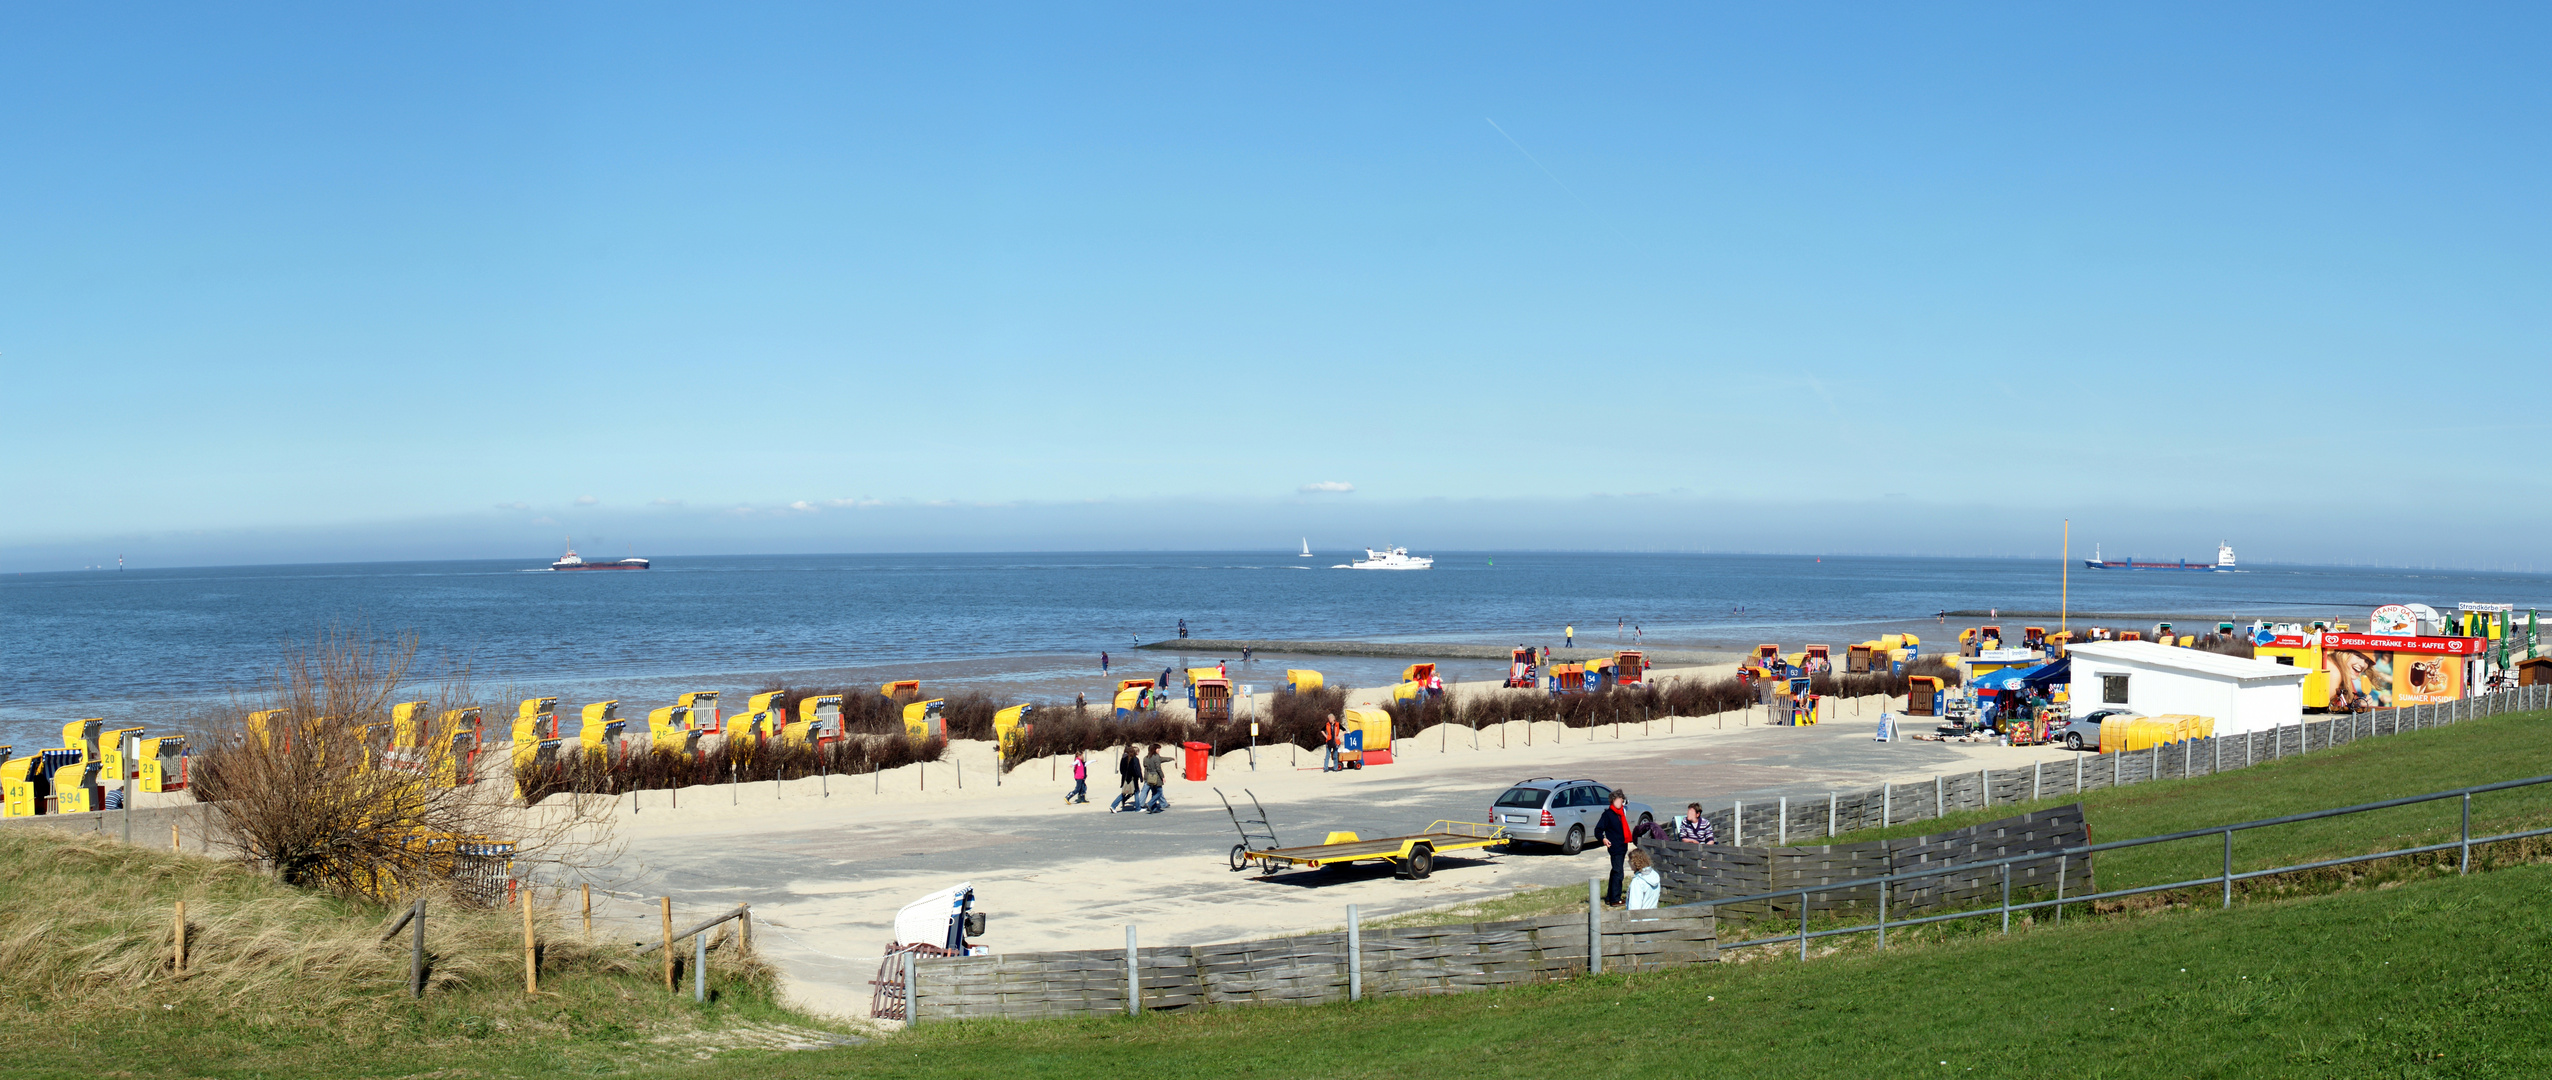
<point x="1389" y="559"/>
<point x="1306" y="547"/>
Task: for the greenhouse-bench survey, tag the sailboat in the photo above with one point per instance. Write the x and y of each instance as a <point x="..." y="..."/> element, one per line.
<point x="1306" y="547"/>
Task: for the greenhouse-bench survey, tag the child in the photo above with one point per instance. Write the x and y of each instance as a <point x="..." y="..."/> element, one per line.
<point x="1080" y="780"/>
<point x="1644" y="882"/>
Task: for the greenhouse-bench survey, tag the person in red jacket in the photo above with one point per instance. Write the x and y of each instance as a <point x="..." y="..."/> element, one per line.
<point x="1613" y="828"/>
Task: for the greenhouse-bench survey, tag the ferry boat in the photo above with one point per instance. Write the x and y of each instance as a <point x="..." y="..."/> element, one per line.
<point x="1389" y="559"/>
<point x="2223" y="561"/>
<point x="573" y="561"/>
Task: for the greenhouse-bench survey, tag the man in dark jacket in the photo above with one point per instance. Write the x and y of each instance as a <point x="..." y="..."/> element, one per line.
<point x="1613" y="828"/>
<point x="1129" y="782"/>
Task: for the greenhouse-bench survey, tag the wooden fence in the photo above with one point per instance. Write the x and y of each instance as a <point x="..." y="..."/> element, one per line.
<point x="1307" y="969"/>
<point x="1702" y="873"/>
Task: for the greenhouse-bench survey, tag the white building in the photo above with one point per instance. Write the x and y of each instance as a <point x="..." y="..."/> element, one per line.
<point x="2155" y="679"/>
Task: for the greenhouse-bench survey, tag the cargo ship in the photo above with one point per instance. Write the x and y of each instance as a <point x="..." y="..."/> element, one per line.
<point x="573" y="561"/>
<point x="2223" y="561"/>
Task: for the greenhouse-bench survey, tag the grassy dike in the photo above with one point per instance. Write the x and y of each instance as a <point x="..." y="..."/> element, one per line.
<point x="282" y="982"/>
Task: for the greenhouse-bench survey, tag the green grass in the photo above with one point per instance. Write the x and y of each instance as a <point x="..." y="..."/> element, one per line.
<point x="2415" y="763"/>
<point x="283" y="982"/>
<point x="2443" y="978"/>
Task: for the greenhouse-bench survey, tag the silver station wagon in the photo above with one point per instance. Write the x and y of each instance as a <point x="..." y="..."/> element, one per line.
<point x="1559" y="812"/>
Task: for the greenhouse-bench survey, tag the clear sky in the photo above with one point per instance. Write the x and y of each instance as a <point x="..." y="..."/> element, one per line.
<point x="374" y="281"/>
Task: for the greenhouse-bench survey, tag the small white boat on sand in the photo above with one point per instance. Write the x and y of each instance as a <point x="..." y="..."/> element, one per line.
<point x="1389" y="559"/>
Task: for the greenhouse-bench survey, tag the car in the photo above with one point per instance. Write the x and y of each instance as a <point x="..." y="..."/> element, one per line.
<point x="1560" y="813"/>
<point x="2077" y="732"/>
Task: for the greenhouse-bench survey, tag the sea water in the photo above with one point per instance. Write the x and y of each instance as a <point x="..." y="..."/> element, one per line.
<point x="138" y="645"/>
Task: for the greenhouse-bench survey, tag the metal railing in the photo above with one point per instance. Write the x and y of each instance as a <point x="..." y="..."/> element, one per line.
<point x="2464" y="843"/>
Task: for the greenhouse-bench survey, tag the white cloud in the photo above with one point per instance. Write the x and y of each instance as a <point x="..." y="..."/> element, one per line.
<point x="853" y="504"/>
<point x="664" y="502"/>
<point x="587" y="500"/>
<point x="802" y="506"/>
<point x="1327" y="485"/>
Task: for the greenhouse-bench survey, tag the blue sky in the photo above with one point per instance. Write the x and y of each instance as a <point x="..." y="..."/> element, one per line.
<point x="356" y="282"/>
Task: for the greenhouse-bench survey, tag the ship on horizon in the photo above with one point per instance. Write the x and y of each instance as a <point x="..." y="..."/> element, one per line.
<point x="2223" y="561"/>
<point x="573" y="561"/>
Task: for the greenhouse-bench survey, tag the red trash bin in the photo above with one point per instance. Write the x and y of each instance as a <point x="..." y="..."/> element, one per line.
<point x="1196" y="756"/>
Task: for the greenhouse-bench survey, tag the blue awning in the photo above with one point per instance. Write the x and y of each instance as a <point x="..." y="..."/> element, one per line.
<point x="2029" y="678"/>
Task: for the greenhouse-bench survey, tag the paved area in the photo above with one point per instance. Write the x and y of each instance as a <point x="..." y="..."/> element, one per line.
<point x="827" y="863"/>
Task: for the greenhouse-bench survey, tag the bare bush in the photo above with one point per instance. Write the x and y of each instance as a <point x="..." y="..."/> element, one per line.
<point x="312" y="781"/>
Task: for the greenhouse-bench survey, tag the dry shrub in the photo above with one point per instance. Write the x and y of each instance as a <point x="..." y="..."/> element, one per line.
<point x="315" y="793"/>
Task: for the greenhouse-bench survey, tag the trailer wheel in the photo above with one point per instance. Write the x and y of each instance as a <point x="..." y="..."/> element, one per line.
<point x="1240" y="857"/>
<point x="1421" y="862"/>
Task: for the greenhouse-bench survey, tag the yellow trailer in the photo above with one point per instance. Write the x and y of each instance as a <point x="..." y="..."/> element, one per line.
<point x="1411" y="856"/>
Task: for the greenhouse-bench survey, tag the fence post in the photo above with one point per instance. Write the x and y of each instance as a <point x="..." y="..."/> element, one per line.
<point x="1985" y="789"/>
<point x="1782" y="829"/>
<point x="1133" y="980"/>
<point x="416" y="951"/>
<point x="1829" y="815"/>
<point x="912" y="988"/>
<point x="2060" y="890"/>
<point x="588" y="888"/>
<point x="531" y="951"/>
<point x="1738" y="818"/>
<point x="1882" y="914"/>
<point x="2465" y="866"/>
<point x="1803" y="924"/>
<point x="1355" y="956"/>
<point x="669" y="987"/>
<point x="1594" y="927"/>
<point x="1887" y="804"/>
<point x="177" y="962"/>
<point x="2037" y="771"/>
<point x="1940" y="802"/>
<point x="2077" y="788"/>
<point x="700" y="968"/>
<point x="2006" y="898"/>
<point x="2228" y="868"/>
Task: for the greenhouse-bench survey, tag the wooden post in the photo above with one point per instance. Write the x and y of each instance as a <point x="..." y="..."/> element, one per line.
<point x="416" y="950"/>
<point x="744" y="933"/>
<point x="669" y="986"/>
<point x="179" y="958"/>
<point x="588" y="888"/>
<point x="174" y="844"/>
<point x="531" y="951"/>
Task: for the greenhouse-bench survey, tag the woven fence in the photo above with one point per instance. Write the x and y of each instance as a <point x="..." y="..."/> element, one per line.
<point x="1307" y="969"/>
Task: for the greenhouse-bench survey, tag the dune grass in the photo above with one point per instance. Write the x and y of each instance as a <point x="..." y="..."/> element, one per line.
<point x="287" y="982"/>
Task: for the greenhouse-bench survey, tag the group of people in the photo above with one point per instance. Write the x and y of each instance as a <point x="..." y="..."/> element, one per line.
<point x="1139" y="781"/>
<point x="1639" y="889"/>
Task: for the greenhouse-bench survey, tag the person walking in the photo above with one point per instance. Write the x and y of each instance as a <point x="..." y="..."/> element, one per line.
<point x="1329" y="744"/>
<point x="1153" y="778"/>
<point x="1613" y="828"/>
<point x="1694" y="828"/>
<point x="1080" y="780"/>
<point x="1129" y="782"/>
<point x="1570" y="636"/>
